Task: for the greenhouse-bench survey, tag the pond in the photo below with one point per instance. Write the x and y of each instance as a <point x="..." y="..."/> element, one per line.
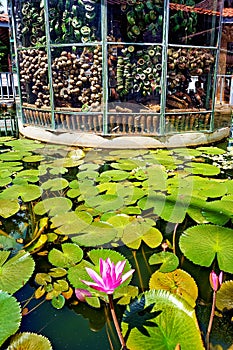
<point x="66" y="212"/>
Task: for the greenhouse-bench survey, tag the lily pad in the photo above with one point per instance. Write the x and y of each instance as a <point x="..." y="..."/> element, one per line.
<point x="31" y="175"/>
<point x="70" y="255"/>
<point x="13" y="155"/>
<point x="203" y="169"/>
<point x="33" y="159"/>
<point x="8" y="207"/>
<point x="114" y="175"/>
<point x="56" y="184"/>
<point x="53" y="206"/>
<point x="16" y="271"/>
<point x="27" y="192"/>
<point x="211" y="150"/>
<point x="105" y="202"/>
<point x="29" y="341"/>
<point x="218" y="212"/>
<point x="97" y="234"/>
<point x="203" y="243"/>
<point x="137" y="231"/>
<point x="71" y="222"/>
<point x="168" y="261"/>
<point x="58" y="302"/>
<point x="10" y="316"/>
<point x="25" y="144"/>
<point x="177" y="282"/>
<point x="224" y="300"/>
<point x="160" y="320"/>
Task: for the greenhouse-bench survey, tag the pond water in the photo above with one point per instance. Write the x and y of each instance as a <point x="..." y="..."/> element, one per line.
<point x="148" y="206"/>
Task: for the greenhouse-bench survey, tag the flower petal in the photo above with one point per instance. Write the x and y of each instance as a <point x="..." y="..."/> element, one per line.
<point x="127" y="275"/>
<point x="96" y="286"/>
<point x="94" y="275"/>
<point x="120" y="267"/>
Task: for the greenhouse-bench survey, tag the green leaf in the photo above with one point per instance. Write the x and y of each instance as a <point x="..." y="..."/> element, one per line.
<point x="71" y="222"/>
<point x="168" y="260"/>
<point x="211" y="150"/>
<point x="96" y="234"/>
<point x="30" y="341"/>
<point x="53" y="206"/>
<point x="203" y="243"/>
<point x="56" y="184"/>
<point x="105" y="202"/>
<point x="31" y="175"/>
<point x="203" y="169"/>
<point x="137" y="231"/>
<point x="70" y="255"/>
<point x="114" y="175"/>
<point x="10" y="316"/>
<point x="58" y="302"/>
<point x="125" y="294"/>
<point x="16" y="271"/>
<point x="224" y="300"/>
<point x="218" y="212"/>
<point x="8" y="207"/>
<point x="33" y="159"/>
<point x="177" y="282"/>
<point x="27" y="192"/>
<point x="160" y="320"/>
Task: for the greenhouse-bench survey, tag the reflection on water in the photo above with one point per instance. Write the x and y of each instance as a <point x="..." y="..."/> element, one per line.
<point x="64" y="328"/>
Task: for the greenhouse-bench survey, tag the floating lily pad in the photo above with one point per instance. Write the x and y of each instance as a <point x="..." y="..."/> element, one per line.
<point x="88" y="174"/>
<point x="5" y="181"/>
<point x="58" y="170"/>
<point x="160" y="320"/>
<point x="128" y="153"/>
<point x="211" y="150"/>
<point x="168" y="261"/>
<point x="14" y="155"/>
<point x="8" y="207"/>
<point x="97" y="234"/>
<point x="33" y="159"/>
<point x="10" y="316"/>
<point x="16" y="271"/>
<point x="203" y="169"/>
<point x="177" y="282"/>
<point x="53" y="206"/>
<point x="25" y="144"/>
<point x="58" y="302"/>
<point x="56" y="184"/>
<point x="31" y="175"/>
<point x="128" y="164"/>
<point x="66" y="162"/>
<point x="218" y="212"/>
<point x="114" y="175"/>
<point x="224" y="299"/>
<point x="70" y="255"/>
<point x="27" y="192"/>
<point x="105" y="202"/>
<point x="137" y="231"/>
<point x="203" y="243"/>
<point x="68" y="223"/>
<point x="29" y="341"/>
<point x="119" y="222"/>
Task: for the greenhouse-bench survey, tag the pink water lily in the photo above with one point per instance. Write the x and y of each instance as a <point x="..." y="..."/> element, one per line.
<point x="110" y="276"/>
<point x="215" y="280"/>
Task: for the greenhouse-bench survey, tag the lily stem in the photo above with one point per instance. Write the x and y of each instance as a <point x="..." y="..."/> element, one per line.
<point x="115" y="320"/>
<point x="207" y="338"/>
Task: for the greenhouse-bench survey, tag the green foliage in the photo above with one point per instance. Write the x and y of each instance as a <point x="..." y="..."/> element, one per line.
<point x="10" y="316"/>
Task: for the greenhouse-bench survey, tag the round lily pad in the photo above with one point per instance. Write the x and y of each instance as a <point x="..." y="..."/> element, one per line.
<point x="30" y="341"/>
<point x="10" y="316"/>
<point x="53" y="206"/>
<point x="160" y="320"/>
<point x="178" y="282"/>
<point x="203" y="243"/>
<point x="224" y="299"/>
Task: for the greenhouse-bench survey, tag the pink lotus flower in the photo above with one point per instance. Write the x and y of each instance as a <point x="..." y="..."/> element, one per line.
<point x="110" y="276"/>
<point x="215" y="280"/>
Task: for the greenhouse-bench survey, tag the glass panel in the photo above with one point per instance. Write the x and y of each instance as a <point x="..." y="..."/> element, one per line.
<point x="181" y="122"/>
<point x="194" y="22"/>
<point x="190" y="74"/>
<point x="33" y="69"/>
<point x="77" y="78"/>
<point x="74" y="21"/>
<point x="134" y="75"/>
<point x="30" y="23"/>
<point x="135" y="21"/>
<point x="126" y="123"/>
<point x="79" y="122"/>
<point x="34" y="116"/>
